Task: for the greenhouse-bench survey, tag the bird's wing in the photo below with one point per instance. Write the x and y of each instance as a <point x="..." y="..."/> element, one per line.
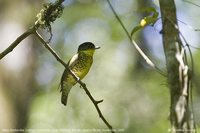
<point x="67" y="80"/>
<point x="70" y="64"/>
<point x="73" y="61"/>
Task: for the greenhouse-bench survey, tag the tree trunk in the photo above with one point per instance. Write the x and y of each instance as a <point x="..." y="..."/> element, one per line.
<point x="181" y="118"/>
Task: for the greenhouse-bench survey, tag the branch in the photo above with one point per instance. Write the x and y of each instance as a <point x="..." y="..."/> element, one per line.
<point x="46" y="16"/>
<point x="94" y="102"/>
<point x="17" y="41"/>
<point x="146" y="58"/>
<point x="50" y="49"/>
<point x="77" y="79"/>
<point x="187" y="1"/>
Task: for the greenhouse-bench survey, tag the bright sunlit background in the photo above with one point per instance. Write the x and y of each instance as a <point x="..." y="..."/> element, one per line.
<point x="136" y="98"/>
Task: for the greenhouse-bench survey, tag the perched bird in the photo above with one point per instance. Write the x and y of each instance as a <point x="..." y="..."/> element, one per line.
<point x="80" y="65"/>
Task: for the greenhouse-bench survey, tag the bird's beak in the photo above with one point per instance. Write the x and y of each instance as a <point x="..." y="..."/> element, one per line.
<point x="97" y="47"/>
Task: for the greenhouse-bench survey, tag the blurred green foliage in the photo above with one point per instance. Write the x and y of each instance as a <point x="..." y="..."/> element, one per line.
<point x="135" y="99"/>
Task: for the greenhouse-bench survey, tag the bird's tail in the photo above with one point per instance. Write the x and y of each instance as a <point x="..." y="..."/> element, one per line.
<point x="64" y="98"/>
<point x="66" y="84"/>
<point x="65" y="92"/>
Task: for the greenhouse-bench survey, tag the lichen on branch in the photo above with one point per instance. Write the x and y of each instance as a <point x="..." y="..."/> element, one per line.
<point x="48" y="14"/>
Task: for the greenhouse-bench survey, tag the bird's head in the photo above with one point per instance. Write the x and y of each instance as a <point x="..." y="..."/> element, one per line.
<point x="87" y="48"/>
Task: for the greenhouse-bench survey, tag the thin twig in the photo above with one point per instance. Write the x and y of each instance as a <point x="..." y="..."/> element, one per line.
<point x="187" y="1"/>
<point x="95" y="104"/>
<point x="50" y="49"/>
<point x="17" y="41"/>
<point x="146" y="58"/>
<point x="83" y="85"/>
<point x="30" y="30"/>
<point x="189" y="26"/>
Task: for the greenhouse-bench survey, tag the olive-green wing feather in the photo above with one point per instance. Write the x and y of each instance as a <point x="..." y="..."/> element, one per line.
<point x="70" y="64"/>
<point x="67" y="80"/>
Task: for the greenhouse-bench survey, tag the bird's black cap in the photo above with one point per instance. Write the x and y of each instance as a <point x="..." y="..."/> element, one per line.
<point x="87" y="45"/>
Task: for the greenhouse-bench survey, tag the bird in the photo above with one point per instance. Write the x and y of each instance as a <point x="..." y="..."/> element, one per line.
<point x="79" y="64"/>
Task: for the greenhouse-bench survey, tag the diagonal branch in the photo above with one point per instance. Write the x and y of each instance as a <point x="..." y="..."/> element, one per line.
<point x="50" y="49"/>
<point x="17" y="41"/>
<point x="46" y="15"/>
<point x="94" y="102"/>
<point x="146" y="58"/>
<point x="187" y="1"/>
<point x="44" y="18"/>
<point x="77" y="79"/>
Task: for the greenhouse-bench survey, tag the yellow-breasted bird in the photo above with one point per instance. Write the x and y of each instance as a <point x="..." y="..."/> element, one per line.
<point x="80" y="65"/>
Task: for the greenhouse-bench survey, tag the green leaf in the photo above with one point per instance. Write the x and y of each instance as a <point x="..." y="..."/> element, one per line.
<point x="148" y="20"/>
